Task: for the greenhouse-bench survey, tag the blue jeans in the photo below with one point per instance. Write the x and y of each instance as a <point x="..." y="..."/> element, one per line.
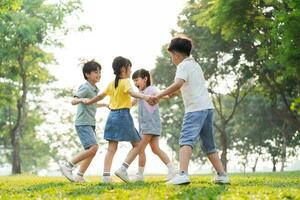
<point x="87" y="135"/>
<point x="198" y="125"/>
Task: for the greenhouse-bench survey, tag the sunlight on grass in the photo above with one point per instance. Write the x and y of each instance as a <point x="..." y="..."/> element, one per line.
<point x="243" y="186"/>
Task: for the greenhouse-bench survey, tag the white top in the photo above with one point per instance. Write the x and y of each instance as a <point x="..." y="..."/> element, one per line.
<point x="194" y="92"/>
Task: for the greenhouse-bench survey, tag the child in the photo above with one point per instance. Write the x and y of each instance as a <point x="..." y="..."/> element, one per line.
<point x="85" y="122"/>
<point x="198" y="117"/>
<point x="149" y="124"/>
<point x="119" y="125"/>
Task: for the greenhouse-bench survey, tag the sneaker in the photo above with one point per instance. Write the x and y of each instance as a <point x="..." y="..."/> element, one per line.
<point x="179" y="180"/>
<point x="106" y="179"/>
<point x="122" y="174"/>
<point x="67" y="172"/>
<point x="171" y="174"/>
<point x="79" y="179"/>
<point x="138" y="177"/>
<point x="224" y="179"/>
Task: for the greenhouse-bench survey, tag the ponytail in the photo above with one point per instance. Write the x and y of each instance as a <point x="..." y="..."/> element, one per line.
<point x="117" y="65"/>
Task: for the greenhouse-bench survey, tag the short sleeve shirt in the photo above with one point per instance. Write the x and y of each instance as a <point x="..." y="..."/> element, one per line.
<point x="86" y="113"/>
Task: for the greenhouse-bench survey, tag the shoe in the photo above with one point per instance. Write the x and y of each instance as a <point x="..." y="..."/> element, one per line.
<point x="138" y="177"/>
<point x="106" y="179"/>
<point x="171" y="174"/>
<point x="122" y="174"/>
<point x="179" y="180"/>
<point x="67" y="172"/>
<point x="79" y="179"/>
<point x="224" y="179"/>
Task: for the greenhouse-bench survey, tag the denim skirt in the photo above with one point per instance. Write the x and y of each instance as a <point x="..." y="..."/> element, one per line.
<point x="119" y="126"/>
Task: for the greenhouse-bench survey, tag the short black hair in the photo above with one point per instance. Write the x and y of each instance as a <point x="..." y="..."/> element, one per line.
<point x="142" y="73"/>
<point x="90" y="66"/>
<point x="181" y="44"/>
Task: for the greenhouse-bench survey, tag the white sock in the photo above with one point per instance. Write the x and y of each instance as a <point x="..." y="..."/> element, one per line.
<point x="124" y="166"/>
<point x="170" y="166"/>
<point x="141" y="170"/>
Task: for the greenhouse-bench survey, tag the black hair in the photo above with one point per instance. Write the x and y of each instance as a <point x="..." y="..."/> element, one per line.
<point x="181" y="44"/>
<point x="117" y="65"/>
<point x="90" y="66"/>
<point x="142" y="73"/>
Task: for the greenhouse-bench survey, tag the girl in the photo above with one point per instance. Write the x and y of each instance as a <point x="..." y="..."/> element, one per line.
<point x="149" y="124"/>
<point x="119" y="125"/>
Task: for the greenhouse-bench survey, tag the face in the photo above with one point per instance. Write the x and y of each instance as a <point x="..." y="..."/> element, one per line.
<point x="140" y="83"/>
<point x="94" y="76"/>
<point x="176" y="57"/>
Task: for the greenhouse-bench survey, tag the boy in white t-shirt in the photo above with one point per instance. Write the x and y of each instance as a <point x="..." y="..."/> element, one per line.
<point x="198" y="117"/>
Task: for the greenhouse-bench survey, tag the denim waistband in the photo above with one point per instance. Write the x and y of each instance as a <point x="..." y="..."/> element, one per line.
<point x="119" y="110"/>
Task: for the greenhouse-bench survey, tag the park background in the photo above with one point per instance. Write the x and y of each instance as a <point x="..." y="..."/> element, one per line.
<point x="249" y="52"/>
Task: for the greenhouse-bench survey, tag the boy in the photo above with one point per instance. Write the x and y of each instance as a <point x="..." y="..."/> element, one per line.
<point x="85" y="122"/>
<point x="198" y="117"/>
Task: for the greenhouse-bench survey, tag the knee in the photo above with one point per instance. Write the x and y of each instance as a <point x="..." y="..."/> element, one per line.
<point x="155" y="150"/>
<point x="112" y="150"/>
<point x="93" y="149"/>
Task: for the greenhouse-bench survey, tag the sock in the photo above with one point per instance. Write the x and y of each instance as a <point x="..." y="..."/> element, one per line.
<point x="183" y="173"/>
<point x="170" y="166"/>
<point x="70" y="164"/>
<point x="106" y="173"/>
<point x="124" y="166"/>
<point x="141" y="170"/>
<point x="80" y="174"/>
<point x="221" y="174"/>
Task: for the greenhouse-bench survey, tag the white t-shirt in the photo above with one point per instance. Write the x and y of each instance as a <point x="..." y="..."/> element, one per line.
<point x="194" y="92"/>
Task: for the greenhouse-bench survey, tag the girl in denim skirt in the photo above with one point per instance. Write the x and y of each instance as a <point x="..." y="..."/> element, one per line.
<point x="149" y="124"/>
<point x="119" y="125"/>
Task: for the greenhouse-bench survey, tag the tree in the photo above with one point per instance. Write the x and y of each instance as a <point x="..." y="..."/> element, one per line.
<point x="22" y="59"/>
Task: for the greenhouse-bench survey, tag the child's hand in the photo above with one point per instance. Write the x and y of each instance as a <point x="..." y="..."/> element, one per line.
<point x="153" y="100"/>
<point x="84" y="100"/>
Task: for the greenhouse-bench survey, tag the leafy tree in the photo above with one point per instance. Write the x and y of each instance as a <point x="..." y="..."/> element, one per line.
<point x="23" y="34"/>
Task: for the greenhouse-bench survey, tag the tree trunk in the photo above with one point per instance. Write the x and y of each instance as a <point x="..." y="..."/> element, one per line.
<point x="256" y="160"/>
<point x="21" y="118"/>
<point x="283" y="156"/>
<point x="224" y="149"/>
<point x="274" y="164"/>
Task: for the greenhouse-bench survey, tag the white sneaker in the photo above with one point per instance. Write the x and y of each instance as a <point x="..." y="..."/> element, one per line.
<point x="106" y="179"/>
<point x="179" y="180"/>
<point x="79" y="179"/>
<point x="224" y="179"/>
<point x="138" y="177"/>
<point x="67" y="172"/>
<point x="171" y="174"/>
<point x="122" y="174"/>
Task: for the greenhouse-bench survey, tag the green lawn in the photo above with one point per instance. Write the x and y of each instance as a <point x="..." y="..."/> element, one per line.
<point x="243" y="186"/>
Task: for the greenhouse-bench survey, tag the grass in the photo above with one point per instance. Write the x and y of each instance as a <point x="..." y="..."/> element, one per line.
<point x="262" y="186"/>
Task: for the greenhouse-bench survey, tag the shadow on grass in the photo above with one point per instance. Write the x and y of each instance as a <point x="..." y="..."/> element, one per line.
<point x="43" y="186"/>
<point x="101" y="188"/>
<point x="199" y="192"/>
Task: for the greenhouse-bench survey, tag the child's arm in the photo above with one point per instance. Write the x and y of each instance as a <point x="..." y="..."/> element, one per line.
<point x="134" y="102"/>
<point x="76" y="101"/>
<point x="94" y="100"/>
<point x="170" y="90"/>
<point x="99" y="105"/>
<point x="138" y="95"/>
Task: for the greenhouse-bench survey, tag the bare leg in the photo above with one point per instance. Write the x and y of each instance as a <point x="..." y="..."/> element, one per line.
<point x="112" y="148"/>
<point x="216" y="162"/>
<point x="86" y="162"/>
<point x="137" y="146"/>
<point x="185" y="153"/>
<point x="85" y="154"/>
<point x="154" y="143"/>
